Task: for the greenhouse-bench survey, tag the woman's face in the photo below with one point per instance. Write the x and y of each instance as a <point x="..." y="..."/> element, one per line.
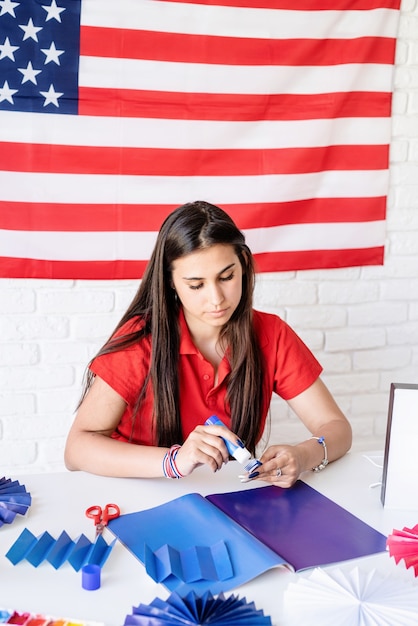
<point x="209" y="285"/>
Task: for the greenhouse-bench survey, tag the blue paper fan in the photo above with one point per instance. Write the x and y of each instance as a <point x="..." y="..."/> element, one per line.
<point x="14" y="499"/>
<point x="201" y="610"/>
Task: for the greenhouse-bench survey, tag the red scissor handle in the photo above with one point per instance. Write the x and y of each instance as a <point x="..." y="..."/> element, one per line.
<point x="102" y="516"/>
<point x="111" y="511"/>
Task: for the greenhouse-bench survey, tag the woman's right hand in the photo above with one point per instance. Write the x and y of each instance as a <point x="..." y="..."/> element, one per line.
<point x="91" y="448"/>
<point x="204" y="446"/>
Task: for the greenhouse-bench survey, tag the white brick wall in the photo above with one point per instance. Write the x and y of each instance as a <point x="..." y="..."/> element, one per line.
<point x="362" y="323"/>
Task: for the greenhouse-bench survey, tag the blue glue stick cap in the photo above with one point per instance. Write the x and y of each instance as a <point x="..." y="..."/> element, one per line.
<point x="90" y="577"/>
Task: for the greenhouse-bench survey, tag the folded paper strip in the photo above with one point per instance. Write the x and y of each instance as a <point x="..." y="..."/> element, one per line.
<point x="191" y="565"/>
<point x="77" y="553"/>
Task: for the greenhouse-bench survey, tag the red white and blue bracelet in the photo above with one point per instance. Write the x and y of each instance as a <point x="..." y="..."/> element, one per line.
<point x="170" y="469"/>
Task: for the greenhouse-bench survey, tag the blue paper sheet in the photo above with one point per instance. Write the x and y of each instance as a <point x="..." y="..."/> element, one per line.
<point x="261" y="528"/>
<point x="303" y="526"/>
<point x="192" y="521"/>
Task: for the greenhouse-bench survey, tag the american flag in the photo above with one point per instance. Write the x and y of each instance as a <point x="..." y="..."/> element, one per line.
<point x="112" y="113"/>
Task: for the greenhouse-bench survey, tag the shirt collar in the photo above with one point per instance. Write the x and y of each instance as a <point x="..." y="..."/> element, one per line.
<point x="186" y="343"/>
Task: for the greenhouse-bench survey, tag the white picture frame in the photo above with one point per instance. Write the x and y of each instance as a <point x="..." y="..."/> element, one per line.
<point x="400" y="465"/>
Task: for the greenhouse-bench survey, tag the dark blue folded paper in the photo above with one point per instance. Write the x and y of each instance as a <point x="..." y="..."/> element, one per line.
<point x="262" y="528"/>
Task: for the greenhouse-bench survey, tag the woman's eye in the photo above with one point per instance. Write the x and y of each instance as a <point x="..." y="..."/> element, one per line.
<point x="221" y="278"/>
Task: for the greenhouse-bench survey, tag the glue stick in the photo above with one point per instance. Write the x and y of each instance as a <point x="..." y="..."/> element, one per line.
<point x="238" y="450"/>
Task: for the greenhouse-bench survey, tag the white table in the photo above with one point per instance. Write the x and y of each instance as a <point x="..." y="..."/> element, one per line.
<point x="59" y="502"/>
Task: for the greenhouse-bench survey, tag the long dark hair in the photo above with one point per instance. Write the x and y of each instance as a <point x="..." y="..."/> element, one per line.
<point x="194" y="226"/>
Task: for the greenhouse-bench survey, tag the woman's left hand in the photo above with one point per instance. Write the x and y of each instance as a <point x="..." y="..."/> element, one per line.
<point x="281" y="465"/>
<point x="316" y="408"/>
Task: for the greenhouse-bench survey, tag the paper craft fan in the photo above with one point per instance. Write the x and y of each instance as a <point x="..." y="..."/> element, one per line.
<point x="351" y="599"/>
<point x="14" y="499"/>
<point x="403" y="544"/>
<point x="201" y="610"/>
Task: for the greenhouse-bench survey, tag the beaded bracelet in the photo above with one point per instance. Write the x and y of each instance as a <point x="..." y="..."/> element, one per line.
<point x="324" y="463"/>
<point x="170" y="469"/>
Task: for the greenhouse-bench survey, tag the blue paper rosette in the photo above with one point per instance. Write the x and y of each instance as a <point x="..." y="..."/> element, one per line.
<point x="14" y="500"/>
<point x="195" y="609"/>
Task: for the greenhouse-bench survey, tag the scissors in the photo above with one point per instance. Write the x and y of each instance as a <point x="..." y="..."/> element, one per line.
<point x="102" y="516"/>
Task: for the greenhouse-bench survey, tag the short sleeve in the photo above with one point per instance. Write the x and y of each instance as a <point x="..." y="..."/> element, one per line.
<point x="290" y="363"/>
<point x="126" y="369"/>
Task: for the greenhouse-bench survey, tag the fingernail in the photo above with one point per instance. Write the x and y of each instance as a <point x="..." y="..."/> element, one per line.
<point x="253" y="474"/>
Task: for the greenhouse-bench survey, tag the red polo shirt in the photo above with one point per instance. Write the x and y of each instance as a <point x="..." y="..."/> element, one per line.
<point x="290" y="369"/>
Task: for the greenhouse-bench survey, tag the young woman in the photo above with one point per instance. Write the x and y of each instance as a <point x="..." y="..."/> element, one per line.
<point x="189" y="346"/>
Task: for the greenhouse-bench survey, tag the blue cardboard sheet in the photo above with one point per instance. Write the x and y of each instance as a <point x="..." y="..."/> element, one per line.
<point x="247" y="533"/>
<point x="303" y="526"/>
<point x="188" y="522"/>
